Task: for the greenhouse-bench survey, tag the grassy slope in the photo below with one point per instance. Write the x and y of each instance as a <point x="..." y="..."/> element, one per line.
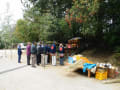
<point x="101" y="57"/>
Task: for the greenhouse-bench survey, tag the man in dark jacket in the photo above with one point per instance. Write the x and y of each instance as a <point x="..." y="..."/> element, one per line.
<point x="61" y="54"/>
<point x="33" y="53"/>
<point x="19" y="53"/>
<point x="40" y="51"/>
<point x="48" y="50"/>
<point x="39" y="54"/>
<point x="53" y="54"/>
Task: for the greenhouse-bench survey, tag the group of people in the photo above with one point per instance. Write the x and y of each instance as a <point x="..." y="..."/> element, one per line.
<point x="42" y="54"/>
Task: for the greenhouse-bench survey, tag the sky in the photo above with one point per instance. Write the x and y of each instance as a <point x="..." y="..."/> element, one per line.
<point x="15" y="9"/>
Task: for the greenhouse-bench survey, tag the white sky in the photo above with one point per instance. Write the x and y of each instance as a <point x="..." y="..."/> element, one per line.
<point x="15" y="9"/>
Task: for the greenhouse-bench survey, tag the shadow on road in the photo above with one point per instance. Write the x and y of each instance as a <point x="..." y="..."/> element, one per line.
<point x="13" y="69"/>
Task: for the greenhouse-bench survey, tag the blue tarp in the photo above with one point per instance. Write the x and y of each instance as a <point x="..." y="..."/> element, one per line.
<point x="70" y="60"/>
<point x="88" y="66"/>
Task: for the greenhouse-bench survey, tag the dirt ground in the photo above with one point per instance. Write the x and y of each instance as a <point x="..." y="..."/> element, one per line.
<point x="14" y="76"/>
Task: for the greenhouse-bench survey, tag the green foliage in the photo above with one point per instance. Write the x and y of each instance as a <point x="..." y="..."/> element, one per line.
<point x="6" y="36"/>
<point x="25" y="31"/>
<point x="116" y="56"/>
<point x="97" y="21"/>
<point x="97" y="18"/>
<point x="47" y="19"/>
<point x="1" y="44"/>
<point x="59" y="31"/>
<point x="110" y="21"/>
<point x="117" y="49"/>
<point x="116" y="59"/>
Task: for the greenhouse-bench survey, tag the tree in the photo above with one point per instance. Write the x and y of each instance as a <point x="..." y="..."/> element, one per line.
<point x="45" y="14"/>
<point x="97" y="21"/>
<point x="25" y="32"/>
<point x="7" y="29"/>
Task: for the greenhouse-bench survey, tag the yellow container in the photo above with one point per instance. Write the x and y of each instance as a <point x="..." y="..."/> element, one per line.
<point x="101" y="75"/>
<point x="77" y="57"/>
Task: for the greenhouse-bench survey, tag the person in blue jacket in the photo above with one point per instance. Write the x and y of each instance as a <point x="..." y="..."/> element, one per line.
<point x="61" y="54"/>
<point x="48" y="50"/>
<point x="53" y="54"/>
<point x="19" y="53"/>
<point x="53" y="48"/>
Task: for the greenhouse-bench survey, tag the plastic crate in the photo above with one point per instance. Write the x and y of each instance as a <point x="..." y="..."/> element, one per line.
<point x="101" y="75"/>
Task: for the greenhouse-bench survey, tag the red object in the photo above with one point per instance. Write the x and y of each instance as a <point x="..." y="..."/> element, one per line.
<point x="69" y="46"/>
<point x="81" y="21"/>
<point x="117" y="73"/>
<point x="52" y="47"/>
<point x="60" y="48"/>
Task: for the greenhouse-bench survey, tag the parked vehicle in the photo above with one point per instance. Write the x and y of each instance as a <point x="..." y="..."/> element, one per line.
<point x="23" y="46"/>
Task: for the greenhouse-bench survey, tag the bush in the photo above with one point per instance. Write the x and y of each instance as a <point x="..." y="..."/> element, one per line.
<point x="117" y="49"/>
<point x="116" y="59"/>
<point x="2" y="45"/>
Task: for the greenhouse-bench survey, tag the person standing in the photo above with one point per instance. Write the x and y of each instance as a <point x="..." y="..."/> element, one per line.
<point x="46" y="54"/>
<point x="48" y="50"/>
<point x="19" y="53"/>
<point x="39" y="54"/>
<point x="61" y="54"/>
<point x="28" y="53"/>
<point x="53" y="54"/>
<point x="33" y="53"/>
<point x="42" y="55"/>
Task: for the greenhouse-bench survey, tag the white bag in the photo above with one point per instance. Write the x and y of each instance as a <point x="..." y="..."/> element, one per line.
<point x="43" y="60"/>
<point x="54" y="60"/>
<point x="46" y="59"/>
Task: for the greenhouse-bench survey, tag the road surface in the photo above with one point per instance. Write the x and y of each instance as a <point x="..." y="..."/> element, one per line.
<point x="14" y="76"/>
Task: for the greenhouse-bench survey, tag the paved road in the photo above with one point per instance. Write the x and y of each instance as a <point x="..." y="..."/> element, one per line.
<point x="15" y="76"/>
